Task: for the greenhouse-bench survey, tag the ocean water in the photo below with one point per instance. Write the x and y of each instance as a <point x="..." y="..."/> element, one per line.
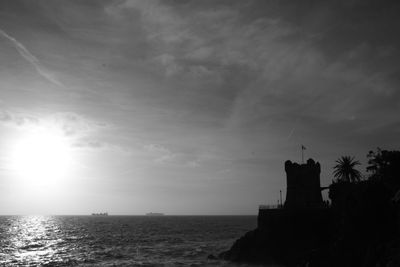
<point x="118" y="240"/>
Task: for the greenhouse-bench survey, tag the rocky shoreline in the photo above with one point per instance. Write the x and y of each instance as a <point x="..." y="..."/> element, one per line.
<point x="288" y="238"/>
<point x="361" y="228"/>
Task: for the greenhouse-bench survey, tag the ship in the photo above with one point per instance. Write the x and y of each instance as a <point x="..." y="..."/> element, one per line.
<point x="155" y="214"/>
<point x="100" y="214"/>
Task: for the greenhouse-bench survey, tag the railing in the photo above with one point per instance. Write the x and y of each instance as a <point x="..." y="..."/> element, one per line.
<point x="270" y="207"/>
<point x="324" y="204"/>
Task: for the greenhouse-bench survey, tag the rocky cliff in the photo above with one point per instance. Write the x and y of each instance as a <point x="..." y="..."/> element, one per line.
<point x="361" y="228"/>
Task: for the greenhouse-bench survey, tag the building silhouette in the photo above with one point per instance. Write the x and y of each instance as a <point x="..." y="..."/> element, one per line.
<point x="303" y="205"/>
<point x="303" y="185"/>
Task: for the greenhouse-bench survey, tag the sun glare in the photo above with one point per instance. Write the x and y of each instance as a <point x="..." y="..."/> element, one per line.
<point x="41" y="156"/>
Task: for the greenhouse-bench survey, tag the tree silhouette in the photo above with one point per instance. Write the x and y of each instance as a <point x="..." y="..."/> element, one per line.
<point x="345" y="169"/>
<point x="384" y="165"/>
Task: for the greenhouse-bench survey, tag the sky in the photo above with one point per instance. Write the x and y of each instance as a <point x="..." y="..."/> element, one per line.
<point x="187" y="107"/>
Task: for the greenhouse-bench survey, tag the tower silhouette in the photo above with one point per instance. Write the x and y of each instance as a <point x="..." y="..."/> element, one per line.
<point x="303" y="185"/>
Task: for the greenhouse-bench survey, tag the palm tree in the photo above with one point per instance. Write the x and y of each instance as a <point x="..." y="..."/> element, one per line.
<point x="345" y="170"/>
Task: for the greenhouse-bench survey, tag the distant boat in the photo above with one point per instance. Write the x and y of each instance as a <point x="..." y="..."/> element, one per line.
<point x="154" y="214"/>
<point x="100" y="214"/>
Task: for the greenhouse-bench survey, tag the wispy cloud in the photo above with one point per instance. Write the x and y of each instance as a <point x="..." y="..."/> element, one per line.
<point x="28" y="56"/>
<point x="81" y="131"/>
<point x="160" y="153"/>
<point x="71" y="124"/>
<point x="17" y="119"/>
<point x="163" y="155"/>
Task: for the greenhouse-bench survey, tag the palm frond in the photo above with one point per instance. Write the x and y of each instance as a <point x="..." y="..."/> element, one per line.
<point x="345" y="169"/>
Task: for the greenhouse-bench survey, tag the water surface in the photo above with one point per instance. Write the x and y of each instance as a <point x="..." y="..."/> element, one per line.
<point x="118" y="240"/>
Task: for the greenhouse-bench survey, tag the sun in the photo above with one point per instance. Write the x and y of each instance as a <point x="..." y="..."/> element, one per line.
<point x="41" y="157"/>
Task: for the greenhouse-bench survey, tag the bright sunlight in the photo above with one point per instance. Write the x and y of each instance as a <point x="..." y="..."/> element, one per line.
<point x="41" y="157"/>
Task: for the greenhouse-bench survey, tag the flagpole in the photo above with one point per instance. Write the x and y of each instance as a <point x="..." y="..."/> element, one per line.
<point x="302" y="155"/>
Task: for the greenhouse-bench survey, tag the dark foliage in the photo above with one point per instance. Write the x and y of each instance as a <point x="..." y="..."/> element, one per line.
<point x="364" y="224"/>
<point x="384" y="166"/>
<point x="345" y="170"/>
<point x="362" y="230"/>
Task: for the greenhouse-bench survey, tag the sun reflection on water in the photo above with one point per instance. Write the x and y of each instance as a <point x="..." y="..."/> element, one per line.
<point x="115" y="240"/>
<point x="31" y="239"/>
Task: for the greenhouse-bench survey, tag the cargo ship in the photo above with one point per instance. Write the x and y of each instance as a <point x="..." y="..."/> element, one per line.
<point x="100" y="214"/>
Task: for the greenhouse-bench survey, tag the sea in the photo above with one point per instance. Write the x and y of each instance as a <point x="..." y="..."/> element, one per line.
<point x="119" y="240"/>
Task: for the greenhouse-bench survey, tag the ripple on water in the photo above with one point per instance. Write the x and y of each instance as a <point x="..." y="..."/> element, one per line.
<point x="117" y="240"/>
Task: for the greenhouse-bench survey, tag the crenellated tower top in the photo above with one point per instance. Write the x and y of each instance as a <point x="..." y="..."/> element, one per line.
<point x="303" y="185"/>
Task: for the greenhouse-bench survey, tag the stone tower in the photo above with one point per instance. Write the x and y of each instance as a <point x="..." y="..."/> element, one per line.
<point x="303" y="185"/>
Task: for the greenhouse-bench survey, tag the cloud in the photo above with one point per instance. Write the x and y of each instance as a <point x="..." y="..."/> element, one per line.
<point x="17" y="119"/>
<point x="162" y="155"/>
<point x="274" y="67"/>
<point x="24" y="52"/>
<point x="82" y="131"/>
<point x="90" y="143"/>
<point x="73" y="124"/>
<point x="206" y="41"/>
<point x="169" y="63"/>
